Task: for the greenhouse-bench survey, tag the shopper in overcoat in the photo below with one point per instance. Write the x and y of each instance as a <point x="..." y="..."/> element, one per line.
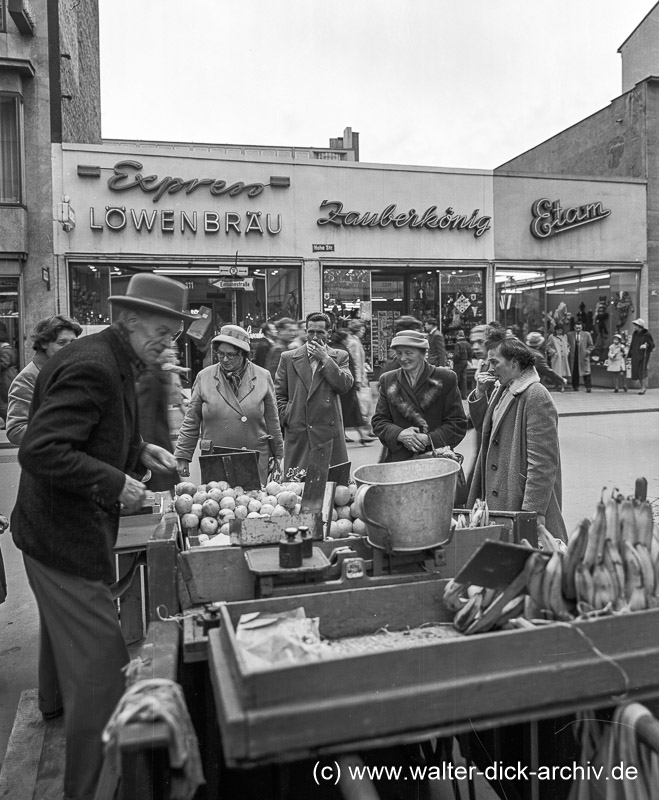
<point x="518" y="467"/>
<point x="417" y="403"/>
<point x="232" y="404"/>
<point x="49" y="337"/>
<point x="581" y="346"/>
<point x="309" y="381"/>
<point x="641" y="345"/>
<point x="82" y="458"/>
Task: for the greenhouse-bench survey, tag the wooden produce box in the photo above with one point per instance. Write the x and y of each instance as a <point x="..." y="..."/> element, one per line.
<point x="440" y="688"/>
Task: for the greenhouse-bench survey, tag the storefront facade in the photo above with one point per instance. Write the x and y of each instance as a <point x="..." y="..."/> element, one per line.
<point x="258" y="239"/>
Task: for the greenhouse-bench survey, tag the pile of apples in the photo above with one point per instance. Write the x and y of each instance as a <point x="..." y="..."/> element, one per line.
<point x="209" y="508"/>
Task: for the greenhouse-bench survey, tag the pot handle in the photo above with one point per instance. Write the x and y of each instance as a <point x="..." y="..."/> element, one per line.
<point x="360" y="511"/>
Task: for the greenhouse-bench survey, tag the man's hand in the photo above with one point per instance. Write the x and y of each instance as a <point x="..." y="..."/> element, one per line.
<point x="4" y="523"/>
<point x="157" y="459"/>
<point x="317" y="351"/>
<point x="132" y="495"/>
<point x="484" y="381"/>
<point x="413" y="439"/>
<point x="183" y="467"/>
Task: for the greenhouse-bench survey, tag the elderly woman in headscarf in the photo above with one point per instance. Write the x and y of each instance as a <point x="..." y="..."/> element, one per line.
<point x="232" y="404"/>
<point x="50" y="335"/>
<point x="417" y="403"/>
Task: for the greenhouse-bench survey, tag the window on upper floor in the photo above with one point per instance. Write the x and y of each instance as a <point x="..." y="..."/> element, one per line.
<point x="11" y="167"/>
<point x="3" y="17"/>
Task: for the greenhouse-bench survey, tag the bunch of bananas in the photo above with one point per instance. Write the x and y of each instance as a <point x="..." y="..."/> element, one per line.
<point x="470" y="602"/>
<point x="611" y="564"/>
<point x="479" y="517"/>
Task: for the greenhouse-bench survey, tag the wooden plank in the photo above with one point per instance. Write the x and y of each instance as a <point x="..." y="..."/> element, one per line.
<point x="161" y="555"/>
<point x="50" y="779"/>
<point x="231" y="717"/>
<point x="131" y="603"/>
<point x="263" y="530"/>
<point x="221" y="574"/>
<point x="20" y="767"/>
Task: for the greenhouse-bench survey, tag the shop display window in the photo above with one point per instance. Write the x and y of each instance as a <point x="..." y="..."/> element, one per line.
<point x="11" y="168"/>
<point x="604" y="301"/>
<point x="379" y="296"/>
<point x="9" y="311"/>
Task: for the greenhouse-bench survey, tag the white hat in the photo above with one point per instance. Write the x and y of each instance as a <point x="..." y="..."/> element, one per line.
<point x="639" y="321"/>
<point x="235" y="335"/>
<point x="535" y="339"/>
<point x="410" y="339"/>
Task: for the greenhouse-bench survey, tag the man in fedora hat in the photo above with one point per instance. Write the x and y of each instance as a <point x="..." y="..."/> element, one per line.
<point x="82" y="459"/>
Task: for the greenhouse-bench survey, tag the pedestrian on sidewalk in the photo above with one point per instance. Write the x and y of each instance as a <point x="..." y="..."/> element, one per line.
<point x="616" y="362"/>
<point x="535" y="342"/>
<point x="558" y="352"/>
<point x="581" y="346"/>
<point x="462" y="355"/>
<point x="641" y="346"/>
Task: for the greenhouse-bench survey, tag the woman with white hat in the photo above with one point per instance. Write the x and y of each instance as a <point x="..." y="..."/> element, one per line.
<point x="616" y="362"/>
<point x="641" y="346"/>
<point x="417" y="403"/>
<point x="233" y="404"/>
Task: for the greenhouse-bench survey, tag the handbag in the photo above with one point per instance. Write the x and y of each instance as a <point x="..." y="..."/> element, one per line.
<point x="461" y="488"/>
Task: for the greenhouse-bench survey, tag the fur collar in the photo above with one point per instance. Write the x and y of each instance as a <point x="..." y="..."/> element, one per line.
<point x="523" y="381"/>
<point x="411" y="404"/>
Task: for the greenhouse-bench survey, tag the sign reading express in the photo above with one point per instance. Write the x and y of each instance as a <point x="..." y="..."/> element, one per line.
<point x="127" y="178"/>
<point x="430" y="219"/>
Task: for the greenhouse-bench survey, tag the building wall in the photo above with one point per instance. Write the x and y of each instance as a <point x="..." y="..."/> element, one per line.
<point x="621" y="140"/>
<point x="640" y="54"/>
<point x="80" y="82"/>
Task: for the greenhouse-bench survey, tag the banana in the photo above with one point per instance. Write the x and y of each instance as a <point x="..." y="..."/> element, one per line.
<point x="576" y="547"/>
<point x="612" y="560"/>
<point x="643" y="522"/>
<point x="627" y="521"/>
<point x="514" y="608"/>
<point x="596" y="536"/>
<point x="605" y="593"/>
<point x="534" y="571"/>
<point x="549" y="580"/>
<point x="546" y="541"/>
<point x="454" y="595"/>
<point x="647" y="569"/>
<point x="557" y="604"/>
<point x="612" y="520"/>
<point x="468" y="613"/>
<point x="634" y="593"/>
<point x="583" y="581"/>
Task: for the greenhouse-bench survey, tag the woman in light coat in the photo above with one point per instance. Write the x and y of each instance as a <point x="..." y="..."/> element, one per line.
<point x="233" y="404"/>
<point x="558" y="352"/>
<point x="518" y="467"/>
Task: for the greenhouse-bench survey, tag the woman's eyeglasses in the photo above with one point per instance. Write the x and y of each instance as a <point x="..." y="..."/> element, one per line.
<point x="227" y="356"/>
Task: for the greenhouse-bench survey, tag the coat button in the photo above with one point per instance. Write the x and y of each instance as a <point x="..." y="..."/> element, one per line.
<point x="495" y="493"/>
<point x="495" y="441"/>
<point x="331" y="422"/>
<point x="494" y="467"/>
<point x="243" y="419"/>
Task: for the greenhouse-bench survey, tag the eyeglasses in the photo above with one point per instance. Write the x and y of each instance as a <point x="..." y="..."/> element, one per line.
<point x="222" y="356"/>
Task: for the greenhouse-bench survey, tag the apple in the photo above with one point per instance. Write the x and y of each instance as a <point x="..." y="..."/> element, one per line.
<point x="210" y="508"/>
<point x="227" y="502"/>
<point x="209" y="525"/>
<point x="215" y="494"/>
<point x="199" y="497"/>
<point x="197" y="510"/>
<point x="183" y="504"/>
<point x="189" y="521"/>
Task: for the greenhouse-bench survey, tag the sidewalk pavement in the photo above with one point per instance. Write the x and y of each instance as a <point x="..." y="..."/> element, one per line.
<point x="568" y="403"/>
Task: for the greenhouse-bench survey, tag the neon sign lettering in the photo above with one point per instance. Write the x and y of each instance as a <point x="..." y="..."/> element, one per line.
<point x="549" y="219"/>
<point x="122" y="181"/>
<point x="430" y="219"/>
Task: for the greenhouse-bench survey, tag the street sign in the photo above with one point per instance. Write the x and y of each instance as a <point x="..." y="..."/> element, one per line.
<point x="247" y="284"/>
<point x="233" y="271"/>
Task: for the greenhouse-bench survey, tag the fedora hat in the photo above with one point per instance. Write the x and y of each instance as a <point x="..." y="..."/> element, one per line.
<point x="410" y="339"/>
<point x="535" y="339"/>
<point x="235" y="335"/>
<point x="154" y="293"/>
<point x="639" y="321"/>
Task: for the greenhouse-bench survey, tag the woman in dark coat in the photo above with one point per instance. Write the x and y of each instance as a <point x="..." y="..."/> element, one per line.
<point x="641" y="346"/>
<point x="417" y="403"/>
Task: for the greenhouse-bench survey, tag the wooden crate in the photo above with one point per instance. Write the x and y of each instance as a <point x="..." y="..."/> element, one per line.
<point x="443" y="688"/>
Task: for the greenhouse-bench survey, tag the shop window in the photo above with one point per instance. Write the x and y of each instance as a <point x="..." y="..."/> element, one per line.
<point x="282" y="294"/>
<point x="346" y="296"/>
<point x="9" y="311"/>
<point x="3" y="16"/>
<point x="462" y="302"/>
<point x="604" y="301"/>
<point x="90" y="289"/>
<point x="10" y="149"/>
